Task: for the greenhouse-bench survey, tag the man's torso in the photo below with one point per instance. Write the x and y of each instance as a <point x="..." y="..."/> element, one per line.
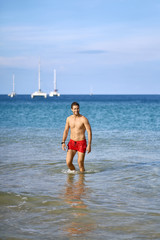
<point x="77" y="127"/>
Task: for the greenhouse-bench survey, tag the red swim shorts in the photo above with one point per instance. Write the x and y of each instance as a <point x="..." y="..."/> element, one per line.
<point x="79" y="146"/>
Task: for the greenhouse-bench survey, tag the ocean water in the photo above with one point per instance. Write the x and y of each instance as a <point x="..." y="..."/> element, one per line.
<point x="118" y="197"/>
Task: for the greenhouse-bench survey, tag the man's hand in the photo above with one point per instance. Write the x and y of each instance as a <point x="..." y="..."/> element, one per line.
<point x="64" y="147"/>
<point x="88" y="148"/>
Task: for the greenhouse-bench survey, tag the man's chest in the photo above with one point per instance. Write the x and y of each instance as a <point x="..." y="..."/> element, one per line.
<point x="77" y="124"/>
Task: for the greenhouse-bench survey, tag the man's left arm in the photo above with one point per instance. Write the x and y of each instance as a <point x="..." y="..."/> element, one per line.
<point x="89" y="132"/>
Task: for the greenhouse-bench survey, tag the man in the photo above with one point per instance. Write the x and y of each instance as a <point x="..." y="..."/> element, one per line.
<point x="77" y="124"/>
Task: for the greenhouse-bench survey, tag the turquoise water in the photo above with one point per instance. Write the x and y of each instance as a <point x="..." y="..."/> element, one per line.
<point x="117" y="197"/>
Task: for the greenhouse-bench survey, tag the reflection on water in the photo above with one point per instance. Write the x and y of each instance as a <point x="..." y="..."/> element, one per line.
<point x="75" y="190"/>
<point x="79" y="215"/>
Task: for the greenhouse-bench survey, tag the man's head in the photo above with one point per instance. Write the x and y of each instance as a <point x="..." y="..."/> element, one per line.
<point x="75" y="108"/>
<point x="74" y="104"/>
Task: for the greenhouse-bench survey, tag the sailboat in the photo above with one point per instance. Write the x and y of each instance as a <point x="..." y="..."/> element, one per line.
<point x="55" y="92"/>
<point x="39" y="93"/>
<point x="91" y="91"/>
<point x="12" y="94"/>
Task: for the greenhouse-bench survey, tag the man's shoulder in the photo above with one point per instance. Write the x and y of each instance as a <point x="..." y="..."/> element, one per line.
<point x="84" y="118"/>
<point x="69" y="118"/>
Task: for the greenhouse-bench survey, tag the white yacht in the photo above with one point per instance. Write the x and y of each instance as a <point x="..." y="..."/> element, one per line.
<point x="39" y="93"/>
<point x="12" y="94"/>
<point x="55" y="92"/>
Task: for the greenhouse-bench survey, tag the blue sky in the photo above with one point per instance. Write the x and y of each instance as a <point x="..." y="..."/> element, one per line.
<point x="109" y="46"/>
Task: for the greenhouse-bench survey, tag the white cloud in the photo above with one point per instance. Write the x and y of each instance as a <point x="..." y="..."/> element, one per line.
<point x="130" y="48"/>
<point x="119" y="45"/>
<point x="42" y="34"/>
<point x="18" y="61"/>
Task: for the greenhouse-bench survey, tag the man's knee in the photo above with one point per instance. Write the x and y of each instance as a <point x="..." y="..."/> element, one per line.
<point x="81" y="166"/>
<point x="70" y="154"/>
<point x="81" y="162"/>
<point x="69" y="163"/>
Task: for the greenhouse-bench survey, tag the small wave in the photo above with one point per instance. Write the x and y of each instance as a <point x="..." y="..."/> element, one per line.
<point x="90" y="171"/>
<point x="24" y="198"/>
<point x="69" y="171"/>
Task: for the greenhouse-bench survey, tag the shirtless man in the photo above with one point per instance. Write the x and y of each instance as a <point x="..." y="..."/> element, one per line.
<point x="77" y="124"/>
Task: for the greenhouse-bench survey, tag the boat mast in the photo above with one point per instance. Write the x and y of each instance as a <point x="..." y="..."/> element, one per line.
<point x="39" y="93"/>
<point x="13" y="82"/>
<point x="55" y="80"/>
<point x="55" y="91"/>
<point x="39" y="83"/>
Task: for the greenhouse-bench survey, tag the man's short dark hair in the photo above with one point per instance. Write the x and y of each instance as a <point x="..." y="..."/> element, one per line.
<point x="74" y="104"/>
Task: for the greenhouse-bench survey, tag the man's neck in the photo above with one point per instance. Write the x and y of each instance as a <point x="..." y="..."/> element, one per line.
<point x="76" y="115"/>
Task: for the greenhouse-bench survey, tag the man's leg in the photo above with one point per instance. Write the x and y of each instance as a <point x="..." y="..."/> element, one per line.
<point x="69" y="159"/>
<point x="81" y="157"/>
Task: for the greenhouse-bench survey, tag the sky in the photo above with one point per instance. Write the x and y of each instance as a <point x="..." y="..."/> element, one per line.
<point x="98" y="46"/>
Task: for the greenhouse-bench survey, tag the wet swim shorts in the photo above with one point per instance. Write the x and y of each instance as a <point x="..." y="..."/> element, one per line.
<point x="79" y="146"/>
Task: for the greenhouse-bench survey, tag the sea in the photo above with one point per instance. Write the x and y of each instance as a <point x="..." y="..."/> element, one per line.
<point x="118" y="196"/>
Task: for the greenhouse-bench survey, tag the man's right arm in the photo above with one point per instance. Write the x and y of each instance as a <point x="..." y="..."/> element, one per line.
<point x="89" y="131"/>
<point x="65" y="134"/>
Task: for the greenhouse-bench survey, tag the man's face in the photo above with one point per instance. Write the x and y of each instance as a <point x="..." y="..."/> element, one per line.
<point x="75" y="110"/>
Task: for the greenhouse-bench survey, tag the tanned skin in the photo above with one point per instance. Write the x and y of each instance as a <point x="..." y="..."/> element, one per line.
<point x="77" y="124"/>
